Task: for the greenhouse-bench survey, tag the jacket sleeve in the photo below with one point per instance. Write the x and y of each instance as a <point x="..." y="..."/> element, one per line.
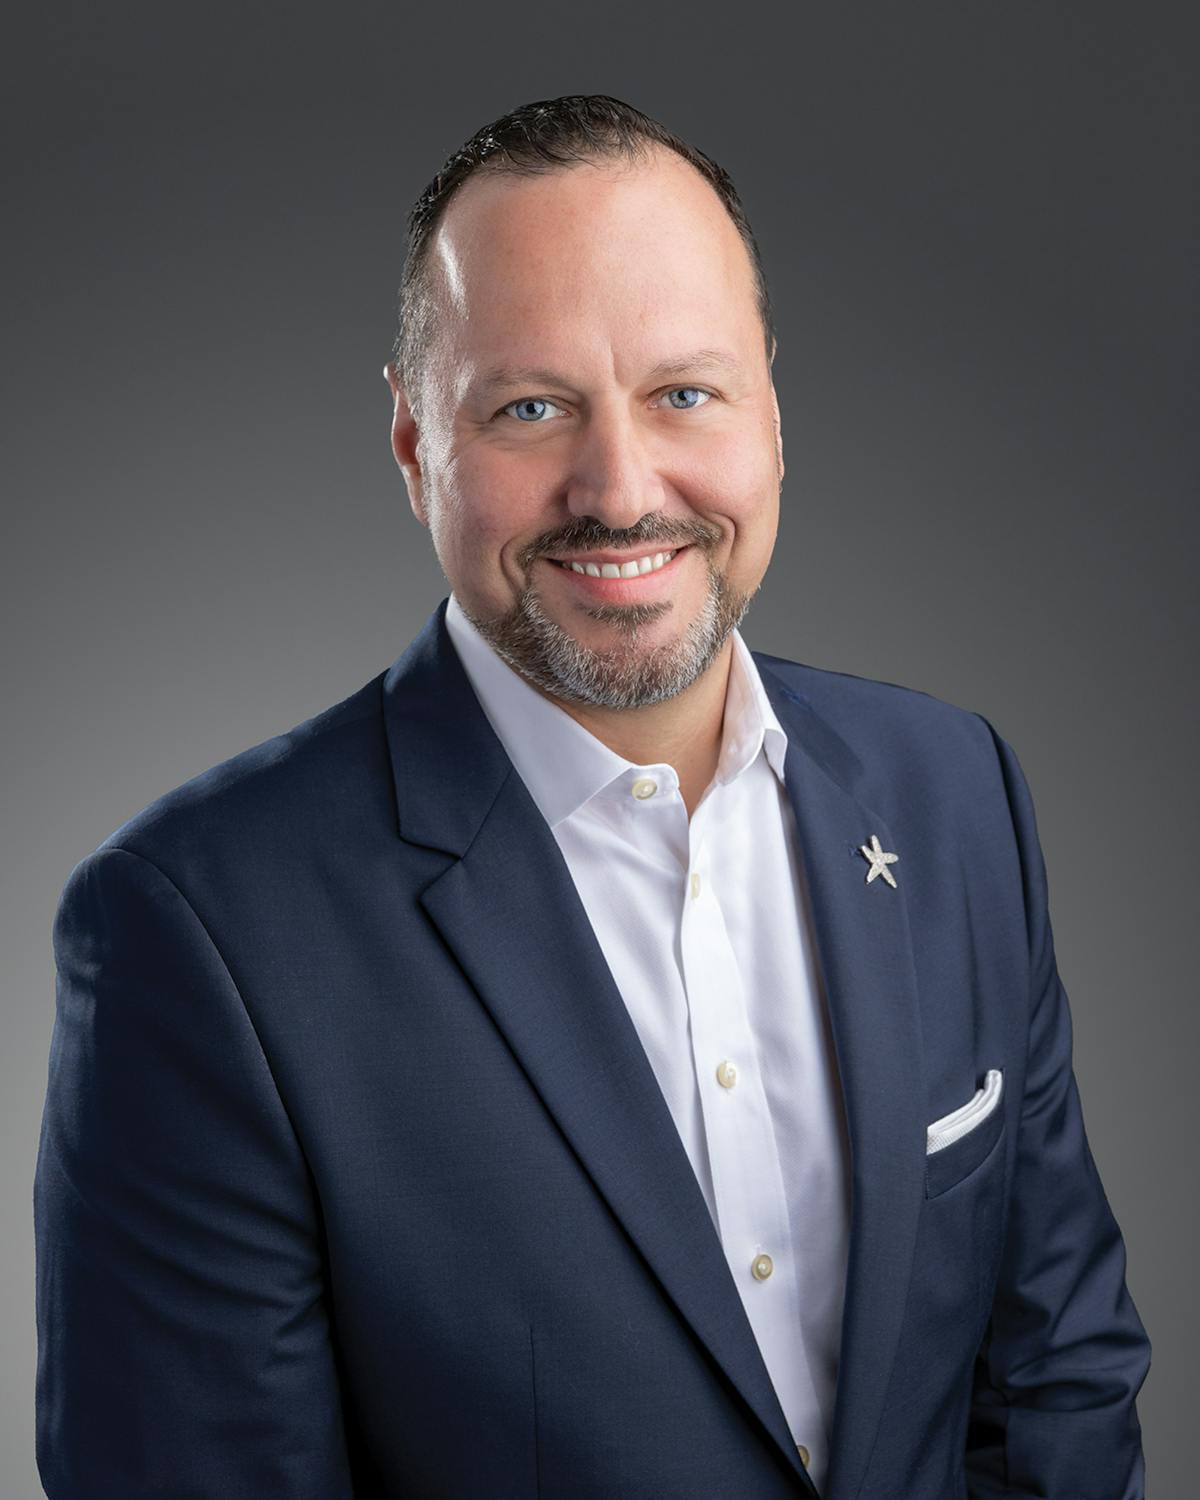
<point x="184" y="1347"/>
<point x="1065" y="1352"/>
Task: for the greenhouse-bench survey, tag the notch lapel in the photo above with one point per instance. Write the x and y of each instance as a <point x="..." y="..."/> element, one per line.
<point x="864" y="949"/>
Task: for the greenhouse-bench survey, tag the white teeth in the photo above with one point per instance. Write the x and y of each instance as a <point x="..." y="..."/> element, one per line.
<point x="633" y="569"/>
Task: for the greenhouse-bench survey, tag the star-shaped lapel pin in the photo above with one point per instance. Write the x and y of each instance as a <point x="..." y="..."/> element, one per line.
<point x="879" y="861"/>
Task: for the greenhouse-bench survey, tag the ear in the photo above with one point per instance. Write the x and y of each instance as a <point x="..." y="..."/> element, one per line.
<point x="778" y="430"/>
<point x="404" y="444"/>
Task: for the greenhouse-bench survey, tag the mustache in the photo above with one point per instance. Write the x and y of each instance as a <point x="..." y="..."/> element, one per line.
<point x="592" y="535"/>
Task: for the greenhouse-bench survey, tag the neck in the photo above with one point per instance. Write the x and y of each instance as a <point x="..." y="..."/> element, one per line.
<point x="683" y="732"/>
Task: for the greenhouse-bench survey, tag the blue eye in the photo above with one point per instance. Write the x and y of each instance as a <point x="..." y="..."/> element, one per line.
<point x="693" y="390"/>
<point x="534" y="410"/>
<point x="525" y="403"/>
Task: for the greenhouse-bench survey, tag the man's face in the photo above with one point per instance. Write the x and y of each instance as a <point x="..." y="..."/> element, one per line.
<point x="637" y="417"/>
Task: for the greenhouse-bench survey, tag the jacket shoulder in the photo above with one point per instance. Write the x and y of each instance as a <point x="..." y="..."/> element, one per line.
<point x="868" y="711"/>
<point x="290" y="787"/>
<point x="905" y="752"/>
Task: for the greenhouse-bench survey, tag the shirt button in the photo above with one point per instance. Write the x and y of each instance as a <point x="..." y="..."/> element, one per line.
<point x="762" y="1266"/>
<point x="727" y="1074"/>
<point x="695" y="886"/>
<point x="643" y="787"/>
<point x="803" y="1452"/>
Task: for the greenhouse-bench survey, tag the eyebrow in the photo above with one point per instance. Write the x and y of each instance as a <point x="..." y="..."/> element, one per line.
<point x="683" y="364"/>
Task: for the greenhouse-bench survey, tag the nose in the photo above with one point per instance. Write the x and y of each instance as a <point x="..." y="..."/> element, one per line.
<point x="612" y="475"/>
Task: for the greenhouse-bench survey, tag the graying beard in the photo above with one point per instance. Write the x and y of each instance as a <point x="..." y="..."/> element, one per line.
<point x="542" y="652"/>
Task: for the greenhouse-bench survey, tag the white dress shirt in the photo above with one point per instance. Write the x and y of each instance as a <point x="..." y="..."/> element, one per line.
<point x="704" y="923"/>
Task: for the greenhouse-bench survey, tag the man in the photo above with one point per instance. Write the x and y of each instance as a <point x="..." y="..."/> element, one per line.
<point x="592" y="1059"/>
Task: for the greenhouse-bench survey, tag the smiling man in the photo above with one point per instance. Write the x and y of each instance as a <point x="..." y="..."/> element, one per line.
<point x="593" y="1059"/>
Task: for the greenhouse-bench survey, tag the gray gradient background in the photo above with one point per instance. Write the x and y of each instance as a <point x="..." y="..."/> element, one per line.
<point x="980" y="229"/>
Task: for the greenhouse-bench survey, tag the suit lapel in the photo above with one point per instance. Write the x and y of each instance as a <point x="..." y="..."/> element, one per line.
<point x="864" y="951"/>
<point x="511" y="914"/>
<point x="508" y="909"/>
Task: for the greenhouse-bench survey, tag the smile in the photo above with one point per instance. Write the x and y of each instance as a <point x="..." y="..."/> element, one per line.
<point x="636" y="567"/>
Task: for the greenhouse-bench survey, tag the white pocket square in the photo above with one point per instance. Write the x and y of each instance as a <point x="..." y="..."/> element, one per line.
<point x="958" y="1122"/>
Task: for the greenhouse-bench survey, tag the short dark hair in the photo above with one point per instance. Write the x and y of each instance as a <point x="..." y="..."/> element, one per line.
<point x="538" y="138"/>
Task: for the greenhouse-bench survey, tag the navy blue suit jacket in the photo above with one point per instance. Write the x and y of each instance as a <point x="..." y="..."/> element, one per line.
<point x="354" y="1178"/>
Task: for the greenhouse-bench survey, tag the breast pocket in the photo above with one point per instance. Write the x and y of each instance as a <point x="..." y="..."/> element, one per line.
<point x="961" y="1141"/>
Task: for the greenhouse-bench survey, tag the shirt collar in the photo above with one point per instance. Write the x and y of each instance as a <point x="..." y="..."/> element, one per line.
<point x="564" y="765"/>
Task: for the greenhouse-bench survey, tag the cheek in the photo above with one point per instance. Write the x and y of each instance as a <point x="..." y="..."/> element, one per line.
<point x="493" y="504"/>
<point x="741" y="488"/>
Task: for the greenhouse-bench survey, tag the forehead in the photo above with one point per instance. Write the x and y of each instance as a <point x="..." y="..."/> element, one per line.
<point x="606" y="260"/>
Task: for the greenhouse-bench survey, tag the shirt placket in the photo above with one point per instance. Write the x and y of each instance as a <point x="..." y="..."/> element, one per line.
<point x="747" y="1177"/>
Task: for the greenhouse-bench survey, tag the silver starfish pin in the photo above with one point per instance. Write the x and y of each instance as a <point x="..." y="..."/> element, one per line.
<point x="879" y="861"/>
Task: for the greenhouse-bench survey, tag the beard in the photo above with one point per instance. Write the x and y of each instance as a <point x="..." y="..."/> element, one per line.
<point x="627" y="675"/>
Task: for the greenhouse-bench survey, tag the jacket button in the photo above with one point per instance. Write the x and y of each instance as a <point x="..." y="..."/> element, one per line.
<point x="761" y="1267"/>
